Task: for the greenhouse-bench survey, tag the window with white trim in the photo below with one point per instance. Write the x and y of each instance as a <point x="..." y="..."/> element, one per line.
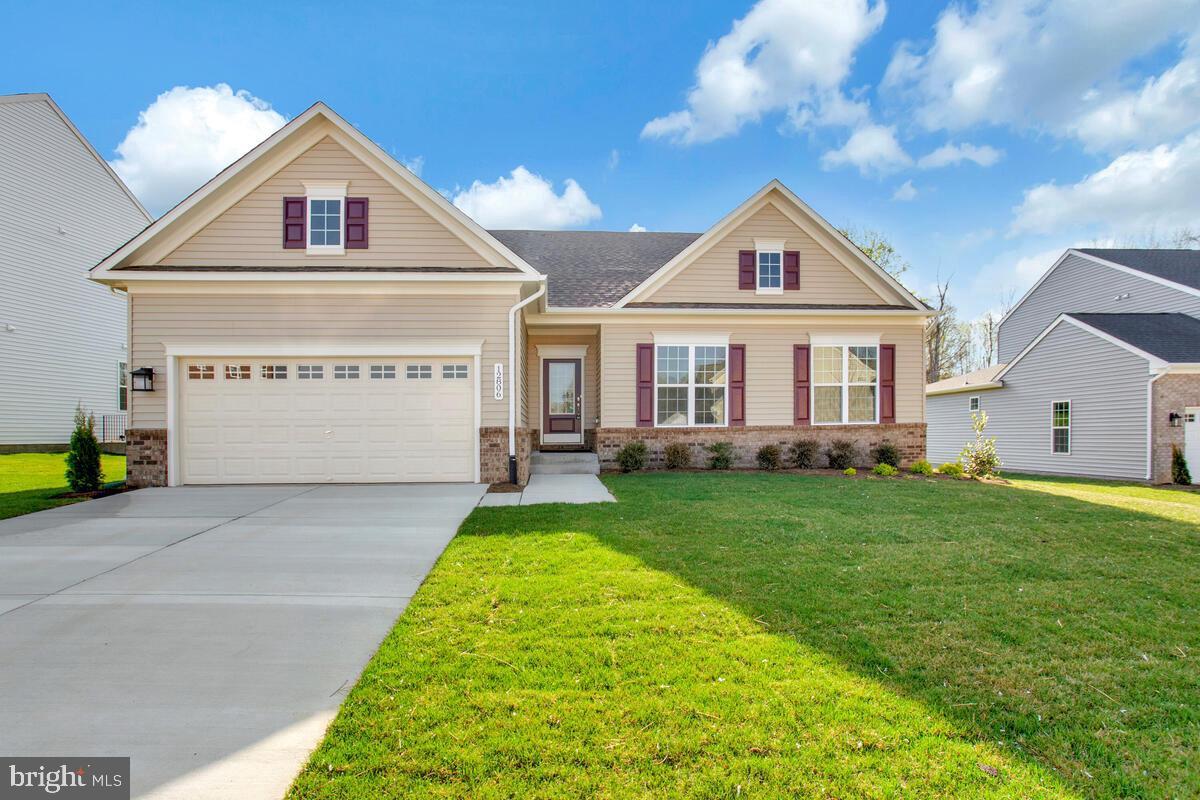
<point x="1060" y="427"/>
<point x="237" y="372"/>
<point x="325" y="222"/>
<point x="310" y="372"/>
<point x="973" y="404"/>
<point x="845" y="384"/>
<point x="770" y="272"/>
<point x="202" y="372"/>
<point x="274" y="372"/>
<point x="690" y="383"/>
<point x="383" y="372"/>
<point x="122" y="386"/>
<point x="454" y="371"/>
<point x="418" y="371"/>
<point x="345" y="372"/>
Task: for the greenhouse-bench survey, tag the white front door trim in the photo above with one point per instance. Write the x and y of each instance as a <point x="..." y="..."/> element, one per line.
<point x="549" y="351"/>
<point x="1191" y="441"/>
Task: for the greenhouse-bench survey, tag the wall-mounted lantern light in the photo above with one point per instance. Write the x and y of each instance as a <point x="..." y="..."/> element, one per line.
<point x="143" y="379"/>
<point x="1175" y="419"/>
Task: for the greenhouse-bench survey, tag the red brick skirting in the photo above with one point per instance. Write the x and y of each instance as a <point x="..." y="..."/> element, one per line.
<point x="145" y="457"/>
<point x="493" y="454"/>
<point x="909" y="438"/>
<point x="1170" y="393"/>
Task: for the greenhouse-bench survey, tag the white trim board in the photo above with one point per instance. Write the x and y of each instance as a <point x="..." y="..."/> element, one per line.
<point x="301" y="349"/>
<point x="562" y="350"/>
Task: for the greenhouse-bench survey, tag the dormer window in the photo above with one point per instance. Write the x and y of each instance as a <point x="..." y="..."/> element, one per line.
<point x="326" y="202"/>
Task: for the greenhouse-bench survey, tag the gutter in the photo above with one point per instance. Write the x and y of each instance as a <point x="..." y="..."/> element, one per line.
<point x="512" y="375"/>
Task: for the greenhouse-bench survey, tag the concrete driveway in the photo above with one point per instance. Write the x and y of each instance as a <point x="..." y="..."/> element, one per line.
<point x="210" y="633"/>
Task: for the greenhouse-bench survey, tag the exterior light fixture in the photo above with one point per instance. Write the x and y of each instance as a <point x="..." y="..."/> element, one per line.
<point x="143" y="379"/>
<point x="1175" y="419"/>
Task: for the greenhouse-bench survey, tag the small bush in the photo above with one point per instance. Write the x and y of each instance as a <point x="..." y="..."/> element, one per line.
<point x="720" y="455"/>
<point x="1179" y="468"/>
<point x="979" y="458"/>
<point x="921" y="467"/>
<point x="886" y="453"/>
<point x="886" y="470"/>
<point x="83" y="461"/>
<point x="632" y="457"/>
<point x="804" y="453"/>
<point x="769" y="457"/>
<point x="840" y="454"/>
<point x="850" y="472"/>
<point x="677" y="455"/>
<point x="951" y="468"/>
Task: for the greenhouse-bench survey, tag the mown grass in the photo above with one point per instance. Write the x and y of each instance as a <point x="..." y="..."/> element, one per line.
<point x="758" y="635"/>
<point x="29" y="481"/>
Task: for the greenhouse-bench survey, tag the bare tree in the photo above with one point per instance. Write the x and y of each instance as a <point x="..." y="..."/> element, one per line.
<point x="947" y="341"/>
<point x="877" y="248"/>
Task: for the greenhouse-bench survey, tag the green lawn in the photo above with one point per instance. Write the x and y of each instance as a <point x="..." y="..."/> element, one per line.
<point x="758" y="635"/>
<point x="29" y="481"/>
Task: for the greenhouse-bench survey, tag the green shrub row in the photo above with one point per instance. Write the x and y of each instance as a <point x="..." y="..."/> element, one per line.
<point x="841" y="454"/>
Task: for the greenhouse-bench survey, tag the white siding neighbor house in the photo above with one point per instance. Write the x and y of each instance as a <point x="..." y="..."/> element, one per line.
<point x="62" y="337"/>
<point x="1099" y="372"/>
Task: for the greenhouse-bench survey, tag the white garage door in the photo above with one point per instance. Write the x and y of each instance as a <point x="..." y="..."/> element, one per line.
<point x="311" y="420"/>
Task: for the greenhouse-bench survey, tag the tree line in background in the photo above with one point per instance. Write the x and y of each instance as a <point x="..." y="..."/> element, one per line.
<point x="954" y="346"/>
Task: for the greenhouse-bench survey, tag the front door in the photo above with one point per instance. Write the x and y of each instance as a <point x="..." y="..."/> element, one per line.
<point x="1191" y="441"/>
<point x="562" y="401"/>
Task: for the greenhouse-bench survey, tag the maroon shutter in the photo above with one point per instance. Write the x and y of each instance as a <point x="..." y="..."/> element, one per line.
<point x="747" y="271"/>
<point x="800" y="389"/>
<point x="791" y="269"/>
<point x="645" y="386"/>
<point x="294" y="213"/>
<point x="356" y="223"/>
<point x="737" y="385"/>
<point x="887" y="383"/>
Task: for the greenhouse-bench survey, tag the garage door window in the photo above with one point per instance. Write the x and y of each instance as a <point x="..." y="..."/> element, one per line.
<point x="274" y="372"/>
<point x="347" y="372"/>
<point x="418" y="371"/>
<point x="310" y="372"/>
<point x="201" y="372"/>
<point x="454" y="371"/>
<point x="383" y="371"/>
<point x="237" y="372"/>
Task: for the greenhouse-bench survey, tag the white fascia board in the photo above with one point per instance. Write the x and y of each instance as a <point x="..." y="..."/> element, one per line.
<point x="970" y="387"/>
<point x="746" y="312"/>
<point x="291" y="349"/>
<point x="122" y="277"/>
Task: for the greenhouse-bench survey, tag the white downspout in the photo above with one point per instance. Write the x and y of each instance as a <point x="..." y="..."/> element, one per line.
<point x="512" y="379"/>
<point x="1150" y="425"/>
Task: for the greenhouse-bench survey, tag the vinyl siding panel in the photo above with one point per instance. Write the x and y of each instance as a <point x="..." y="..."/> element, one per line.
<point x="1107" y="389"/>
<point x="1081" y="285"/>
<point x="250" y="234"/>
<point x="365" y="319"/>
<point x="769" y="378"/>
<point x="713" y="277"/>
<point x="63" y="212"/>
<point x="590" y="372"/>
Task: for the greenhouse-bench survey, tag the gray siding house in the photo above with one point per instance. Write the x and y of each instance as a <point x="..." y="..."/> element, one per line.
<point x="62" y="337"/>
<point x="1099" y="372"/>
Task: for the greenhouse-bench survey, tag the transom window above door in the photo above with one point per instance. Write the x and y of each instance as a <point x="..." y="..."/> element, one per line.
<point x="690" y="383"/>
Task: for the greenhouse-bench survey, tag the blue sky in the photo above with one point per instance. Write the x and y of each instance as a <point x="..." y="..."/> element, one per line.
<point x="979" y="138"/>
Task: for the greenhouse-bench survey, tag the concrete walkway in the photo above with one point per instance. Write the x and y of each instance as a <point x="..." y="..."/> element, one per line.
<point x="210" y="633"/>
<point x="553" y="489"/>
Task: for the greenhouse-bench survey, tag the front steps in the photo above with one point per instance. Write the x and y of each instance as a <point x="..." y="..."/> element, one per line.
<point x="569" y="463"/>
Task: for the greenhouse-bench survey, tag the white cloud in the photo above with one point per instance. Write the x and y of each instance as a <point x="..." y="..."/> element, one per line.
<point x="188" y="135"/>
<point x="784" y="55"/>
<point x="1005" y="278"/>
<point x="1140" y="190"/>
<point x="950" y="153"/>
<point x="905" y="192"/>
<point x="635" y="228"/>
<point x="414" y="164"/>
<point x="526" y="200"/>
<point x="871" y="148"/>
<point x="1029" y="64"/>
<point x="614" y="159"/>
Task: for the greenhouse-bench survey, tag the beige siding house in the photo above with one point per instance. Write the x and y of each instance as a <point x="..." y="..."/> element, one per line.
<point x="317" y="313"/>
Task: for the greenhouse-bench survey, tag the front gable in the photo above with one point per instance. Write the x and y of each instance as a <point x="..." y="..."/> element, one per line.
<point x="401" y="233"/>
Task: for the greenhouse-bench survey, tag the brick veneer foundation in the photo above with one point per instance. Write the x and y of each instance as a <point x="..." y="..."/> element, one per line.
<point x="1170" y="393"/>
<point x="909" y="438"/>
<point x="145" y="457"/>
<point x="493" y="454"/>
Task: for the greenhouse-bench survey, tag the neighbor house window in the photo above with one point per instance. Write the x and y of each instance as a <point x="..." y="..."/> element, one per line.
<point x="310" y="372"/>
<point x="973" y="404"/>
<point x="418" y="371"/>
<point x="454" y="371"/>
<point x="1060" y="427"/>
<point x="770" y="272"/>
<point x="122" y="386"/>
<point x="383" y="371"/>
<point x="345" y="372"/>
<point x="690" y="383"/>
<point x="274" y="372"/>
<point x="237" y="372"/>
<point x="845" y="384"/>
<point x="202" y="372"/>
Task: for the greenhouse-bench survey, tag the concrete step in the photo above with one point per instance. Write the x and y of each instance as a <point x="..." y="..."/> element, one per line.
<point x="564" y="463"/>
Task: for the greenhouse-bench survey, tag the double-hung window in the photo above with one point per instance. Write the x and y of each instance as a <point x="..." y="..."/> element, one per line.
<point x="1060" y="427"/>
<point x="690" y="385"/>
<point x="770" y="272"/>
<point x="326" y="217"/>
<point x="845" y="384"/>
<point x="122" y="386"/>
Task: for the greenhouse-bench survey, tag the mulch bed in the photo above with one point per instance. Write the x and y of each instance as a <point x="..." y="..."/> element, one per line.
<point x="104" y="492"/>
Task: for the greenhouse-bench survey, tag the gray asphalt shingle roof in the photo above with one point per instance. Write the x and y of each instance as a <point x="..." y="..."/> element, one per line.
<point x="1179" y="266"/>
<point x="594" y="268"/>
<point x="1175" y="338"/>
